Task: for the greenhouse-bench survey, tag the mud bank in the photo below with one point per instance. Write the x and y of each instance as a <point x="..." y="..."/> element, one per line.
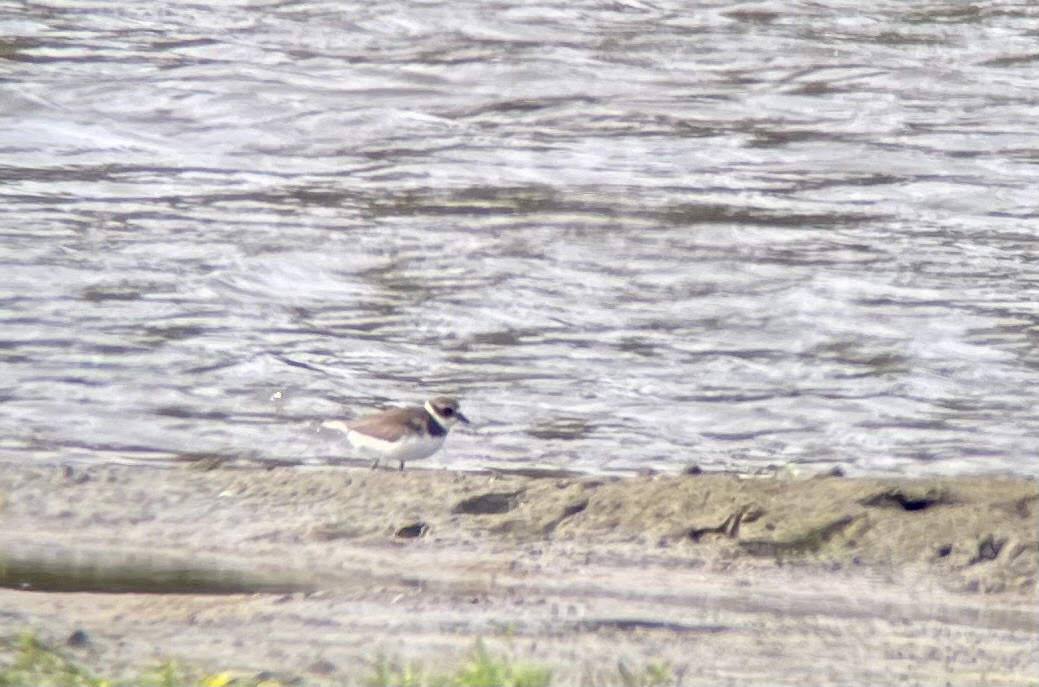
<point x="731" y="580"/>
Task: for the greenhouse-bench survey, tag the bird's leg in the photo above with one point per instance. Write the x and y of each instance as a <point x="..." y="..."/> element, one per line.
<point x="375" y="464"/>
<point x="402" y="466"/>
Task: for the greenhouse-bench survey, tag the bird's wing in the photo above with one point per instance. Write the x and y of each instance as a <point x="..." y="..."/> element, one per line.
<point x="390" y="425"/>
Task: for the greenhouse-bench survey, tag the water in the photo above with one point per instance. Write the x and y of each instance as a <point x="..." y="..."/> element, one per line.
<point x="630" y="234"/>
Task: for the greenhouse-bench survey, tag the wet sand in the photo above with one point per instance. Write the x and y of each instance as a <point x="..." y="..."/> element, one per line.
<point x="314" y="572"/>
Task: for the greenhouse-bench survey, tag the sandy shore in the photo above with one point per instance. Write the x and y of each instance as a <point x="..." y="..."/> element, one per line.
<point x="313" y="572"/>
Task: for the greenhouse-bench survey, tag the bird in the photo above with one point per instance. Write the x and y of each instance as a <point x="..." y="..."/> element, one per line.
<point x="402" y="434"/>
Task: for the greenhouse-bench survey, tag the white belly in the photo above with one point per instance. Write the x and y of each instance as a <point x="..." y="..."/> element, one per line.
<point x="408" y="448"/>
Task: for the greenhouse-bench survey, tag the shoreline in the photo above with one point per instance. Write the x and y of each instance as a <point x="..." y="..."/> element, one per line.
<point x="764" y="580"/>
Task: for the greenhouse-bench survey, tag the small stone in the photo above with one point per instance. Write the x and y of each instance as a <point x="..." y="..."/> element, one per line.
<point x="415" y="529"/>
<point x="321" y="668"/>
<point x="492" y="503"/>
<point x="78" y="639"/>
<point x="988" y="549"/>
<point x="271" y="677"/>
<point x="575" y="508"/>
<point x="68" y="474"/>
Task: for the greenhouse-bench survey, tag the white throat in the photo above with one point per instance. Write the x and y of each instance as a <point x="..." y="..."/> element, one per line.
<point x="443" y="422"/>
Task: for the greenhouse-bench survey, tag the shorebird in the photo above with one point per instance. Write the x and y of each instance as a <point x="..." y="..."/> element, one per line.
<point x="402" y="434"/>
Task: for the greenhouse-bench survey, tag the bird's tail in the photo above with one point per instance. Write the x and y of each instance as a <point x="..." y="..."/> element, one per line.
<point x="336" y="424"/>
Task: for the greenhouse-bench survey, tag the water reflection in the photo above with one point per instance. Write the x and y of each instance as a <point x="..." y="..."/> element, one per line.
<point x="628" y="235"/>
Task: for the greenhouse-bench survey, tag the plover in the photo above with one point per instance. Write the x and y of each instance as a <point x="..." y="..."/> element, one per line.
<point x="402" y="434"/>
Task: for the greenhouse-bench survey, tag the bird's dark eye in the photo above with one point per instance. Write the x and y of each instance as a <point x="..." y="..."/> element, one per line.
<point x="448" y="412"/>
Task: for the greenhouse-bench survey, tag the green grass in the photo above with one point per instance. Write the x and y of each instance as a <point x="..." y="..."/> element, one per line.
<point x="26" y="660"/>
<point x="654" y="674"/>
<point x="481" y="669"/>
<point x="36" y="664"/>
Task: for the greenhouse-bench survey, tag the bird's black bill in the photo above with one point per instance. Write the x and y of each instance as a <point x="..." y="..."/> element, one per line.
<point x="463" y="418"/>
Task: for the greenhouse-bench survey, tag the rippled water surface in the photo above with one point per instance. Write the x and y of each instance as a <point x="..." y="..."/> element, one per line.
<point x="627" y="234"/>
